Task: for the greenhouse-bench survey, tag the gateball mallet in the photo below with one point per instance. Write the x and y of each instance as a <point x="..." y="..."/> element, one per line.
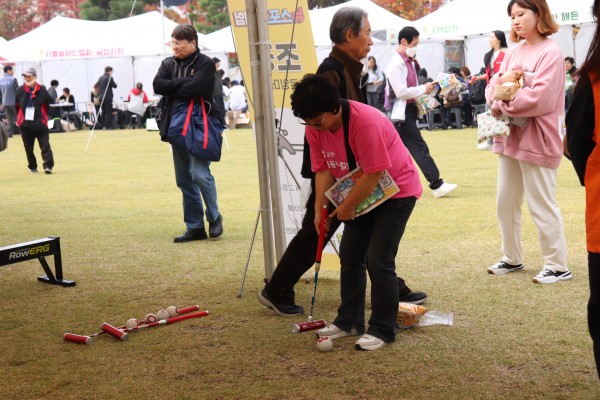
<point x="312" y="324"/>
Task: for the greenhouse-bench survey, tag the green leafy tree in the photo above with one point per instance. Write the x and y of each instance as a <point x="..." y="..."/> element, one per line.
<point x="211" y="16"/>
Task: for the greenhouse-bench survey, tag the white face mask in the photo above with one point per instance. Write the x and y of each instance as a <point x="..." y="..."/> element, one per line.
<point x="411" y="52"/>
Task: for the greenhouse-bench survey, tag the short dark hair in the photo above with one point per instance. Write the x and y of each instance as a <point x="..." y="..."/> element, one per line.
<point x="53" y="82"/>
<point x="185" y="32"/>
<point x="67" y="90"/>
<point x="8" y="68"/>
<point x="570" y="59"/>
<point x="408" y="33"/>
<point x="107" y="69"/>
<point x="139" y="86"/>
<point x="216" y="60"/>
<point x="346" y="18"/>
<point x="313" y="96"/>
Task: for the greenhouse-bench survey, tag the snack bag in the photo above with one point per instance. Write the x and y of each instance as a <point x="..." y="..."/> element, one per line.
<point x="409" y="314"/>
<point x="414" y="315"/>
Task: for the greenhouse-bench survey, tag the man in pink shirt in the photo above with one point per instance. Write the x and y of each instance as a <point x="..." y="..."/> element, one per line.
<point x="367" y="139"/>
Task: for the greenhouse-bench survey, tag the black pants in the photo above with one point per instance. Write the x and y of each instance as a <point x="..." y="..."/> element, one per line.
<point x="414" y="142"/>
<point x="107" y="116"/>
<point x="594" y="305"/>
<point x="39" y="131"/>
<point x="299" y="257"/>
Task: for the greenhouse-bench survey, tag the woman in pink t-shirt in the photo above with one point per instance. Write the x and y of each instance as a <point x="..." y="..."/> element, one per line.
<point x="376" y="147"/>
<point x="530" y="156"/>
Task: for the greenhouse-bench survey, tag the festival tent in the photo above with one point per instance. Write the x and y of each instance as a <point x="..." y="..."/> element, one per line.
<point x="75" y="52"/>
<point x="471" y="21"/>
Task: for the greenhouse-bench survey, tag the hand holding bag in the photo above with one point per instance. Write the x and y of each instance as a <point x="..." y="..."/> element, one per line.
<point x="507" y="91"/>
<point x="489" y="126"/>
<point x="203" y="134"/>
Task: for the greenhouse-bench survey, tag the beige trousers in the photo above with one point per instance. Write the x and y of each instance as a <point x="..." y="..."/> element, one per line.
<point x="518" y="179"/>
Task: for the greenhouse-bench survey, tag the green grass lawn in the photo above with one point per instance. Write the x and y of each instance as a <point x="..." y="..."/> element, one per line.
<point x="117" y="209"/>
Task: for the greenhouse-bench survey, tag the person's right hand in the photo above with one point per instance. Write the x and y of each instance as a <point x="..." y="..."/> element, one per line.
<point x="327" y="223"/>
<point x="429" y="87"/>
<point x="495" y="113"/>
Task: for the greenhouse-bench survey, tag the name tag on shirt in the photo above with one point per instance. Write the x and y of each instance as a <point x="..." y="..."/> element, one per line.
<point x="29" y="113"/>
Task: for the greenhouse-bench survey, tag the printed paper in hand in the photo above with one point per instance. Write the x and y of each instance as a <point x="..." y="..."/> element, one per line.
<point x="446" y="82"/>
<point x="386" y="188"/>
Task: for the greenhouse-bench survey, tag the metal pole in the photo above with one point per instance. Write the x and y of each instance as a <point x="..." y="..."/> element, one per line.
<point x="261" y="145"/>
<point x="270" y="129"/>
<point x="162" y="13"/>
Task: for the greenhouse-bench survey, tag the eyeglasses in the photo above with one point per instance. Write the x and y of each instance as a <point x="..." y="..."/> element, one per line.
<point x="176" y="43"/>
<point x="315" y="124"/>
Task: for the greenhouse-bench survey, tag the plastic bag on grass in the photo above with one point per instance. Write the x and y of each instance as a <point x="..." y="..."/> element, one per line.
<point x="415" y="315"/>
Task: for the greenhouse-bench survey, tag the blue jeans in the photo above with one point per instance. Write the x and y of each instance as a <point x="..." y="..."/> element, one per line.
<point x="193" y="177"/>
<point x="374" y="236"/>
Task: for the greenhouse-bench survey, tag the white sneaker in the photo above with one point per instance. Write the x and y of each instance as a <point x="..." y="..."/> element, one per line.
<point x="547" y="275"/>
<point x="485" y="146"/>
<point x="368" y="342"/>
<point x="333" y="332"/>
<point x="444" y="189"/>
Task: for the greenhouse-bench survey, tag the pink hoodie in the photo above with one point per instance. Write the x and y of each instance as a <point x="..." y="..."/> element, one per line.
<point x="542" y="100"/>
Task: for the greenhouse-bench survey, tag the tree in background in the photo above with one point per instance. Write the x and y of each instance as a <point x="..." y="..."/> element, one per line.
<point x="21" y="16"/>
<point x="214" y="13"/>
<point x="410" y="9"/>
<point x="108" y="10"/>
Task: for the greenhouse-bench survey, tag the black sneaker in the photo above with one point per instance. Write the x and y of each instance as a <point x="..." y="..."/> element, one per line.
<point x="47" y="171"/>
<point x="215" y="229"/>
<point x="413" y="298"/>
<point x="192" y="234"/>
<point x="279" y="309"/>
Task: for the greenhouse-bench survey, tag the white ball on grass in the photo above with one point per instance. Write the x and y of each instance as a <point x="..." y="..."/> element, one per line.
<point x="131" y="323"/>
<point x="324" y="344"/>
<point x="172" y="310"/>
<point x="162" y="314"/>
<point x="150" y="318"/>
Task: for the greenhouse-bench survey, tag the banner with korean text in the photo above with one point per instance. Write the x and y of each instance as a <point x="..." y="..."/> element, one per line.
<point x="292" y="56"/>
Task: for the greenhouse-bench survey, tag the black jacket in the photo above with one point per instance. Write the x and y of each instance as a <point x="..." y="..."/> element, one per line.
<point x="106" y="81"/>
<point x="179" y="81"/>
<point x="37" y="98"/>
<point x="340" y="68"/>
<point x="580" y="123"/>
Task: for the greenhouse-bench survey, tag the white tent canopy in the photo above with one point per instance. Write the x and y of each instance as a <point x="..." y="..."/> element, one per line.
<point x="68" y="38"/>
<point x="379" y="18"/>
<point x="461" y="18"/>
<point x="75" y="52"/>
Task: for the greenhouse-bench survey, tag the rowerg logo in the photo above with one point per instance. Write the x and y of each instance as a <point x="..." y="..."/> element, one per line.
<point x="28" y="252"/>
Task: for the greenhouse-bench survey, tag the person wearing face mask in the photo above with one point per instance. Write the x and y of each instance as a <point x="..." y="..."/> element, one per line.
<point x="402" y="77"/>
<point x="32" y="102"/>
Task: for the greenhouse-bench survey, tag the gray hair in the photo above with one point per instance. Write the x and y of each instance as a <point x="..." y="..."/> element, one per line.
<point x="346" y="18"/>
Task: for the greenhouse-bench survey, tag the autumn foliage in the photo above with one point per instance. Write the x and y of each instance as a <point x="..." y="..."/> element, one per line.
<point x="410" y="9"/>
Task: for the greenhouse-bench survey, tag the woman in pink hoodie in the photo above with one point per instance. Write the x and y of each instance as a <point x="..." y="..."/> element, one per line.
<point x="530" y="156"/>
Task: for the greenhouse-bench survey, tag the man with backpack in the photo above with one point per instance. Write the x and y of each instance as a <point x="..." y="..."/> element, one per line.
<point x="350" y="32"/>
<point x="403" y="82"/>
